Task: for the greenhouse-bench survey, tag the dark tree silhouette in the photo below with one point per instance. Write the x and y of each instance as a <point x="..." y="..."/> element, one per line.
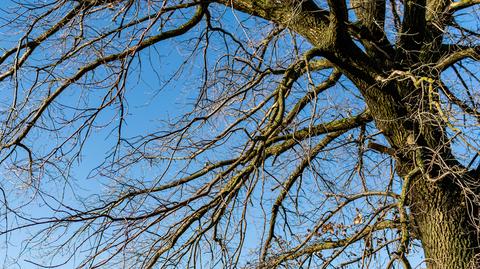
<point x="304" y="134"/>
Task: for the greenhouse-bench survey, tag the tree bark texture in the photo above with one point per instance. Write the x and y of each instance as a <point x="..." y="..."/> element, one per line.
<point x="445" y="227"/>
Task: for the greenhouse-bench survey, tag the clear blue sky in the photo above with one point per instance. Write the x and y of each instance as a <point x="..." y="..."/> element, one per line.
<point x="149" y="101"/>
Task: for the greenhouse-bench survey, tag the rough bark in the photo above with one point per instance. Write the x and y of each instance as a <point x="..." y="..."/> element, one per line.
<point x="445" y="229"/>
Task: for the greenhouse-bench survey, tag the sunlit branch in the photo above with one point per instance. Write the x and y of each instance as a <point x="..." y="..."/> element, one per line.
<point x="458" y="55"/>
<point x="462" y="4"/>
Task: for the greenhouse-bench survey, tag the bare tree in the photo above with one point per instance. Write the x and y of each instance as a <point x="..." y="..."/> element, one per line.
<point x="304" y="134"/>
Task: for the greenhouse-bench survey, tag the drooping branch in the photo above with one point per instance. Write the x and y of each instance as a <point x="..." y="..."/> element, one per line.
<point x="35" y="116"/>
<point x="30" y="46"/>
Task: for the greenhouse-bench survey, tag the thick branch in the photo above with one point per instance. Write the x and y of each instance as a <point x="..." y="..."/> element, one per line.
<point x="462" y="4"/>
<point x="338" y="125"/>
<point x="303" y="17"/>
<point x="413" y="29"/>
<point x="456" y="56"/>
<point x="370" y="13"/>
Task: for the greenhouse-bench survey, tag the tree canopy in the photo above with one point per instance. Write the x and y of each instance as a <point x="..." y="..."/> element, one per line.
<point x="240" y="133"/>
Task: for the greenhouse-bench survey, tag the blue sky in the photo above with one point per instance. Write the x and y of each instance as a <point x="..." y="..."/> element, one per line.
<point x="149" y="101"/>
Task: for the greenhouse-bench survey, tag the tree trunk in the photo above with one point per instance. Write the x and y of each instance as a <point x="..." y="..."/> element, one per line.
<point x="438" y="194"/>
<point x="444" y="223"/>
